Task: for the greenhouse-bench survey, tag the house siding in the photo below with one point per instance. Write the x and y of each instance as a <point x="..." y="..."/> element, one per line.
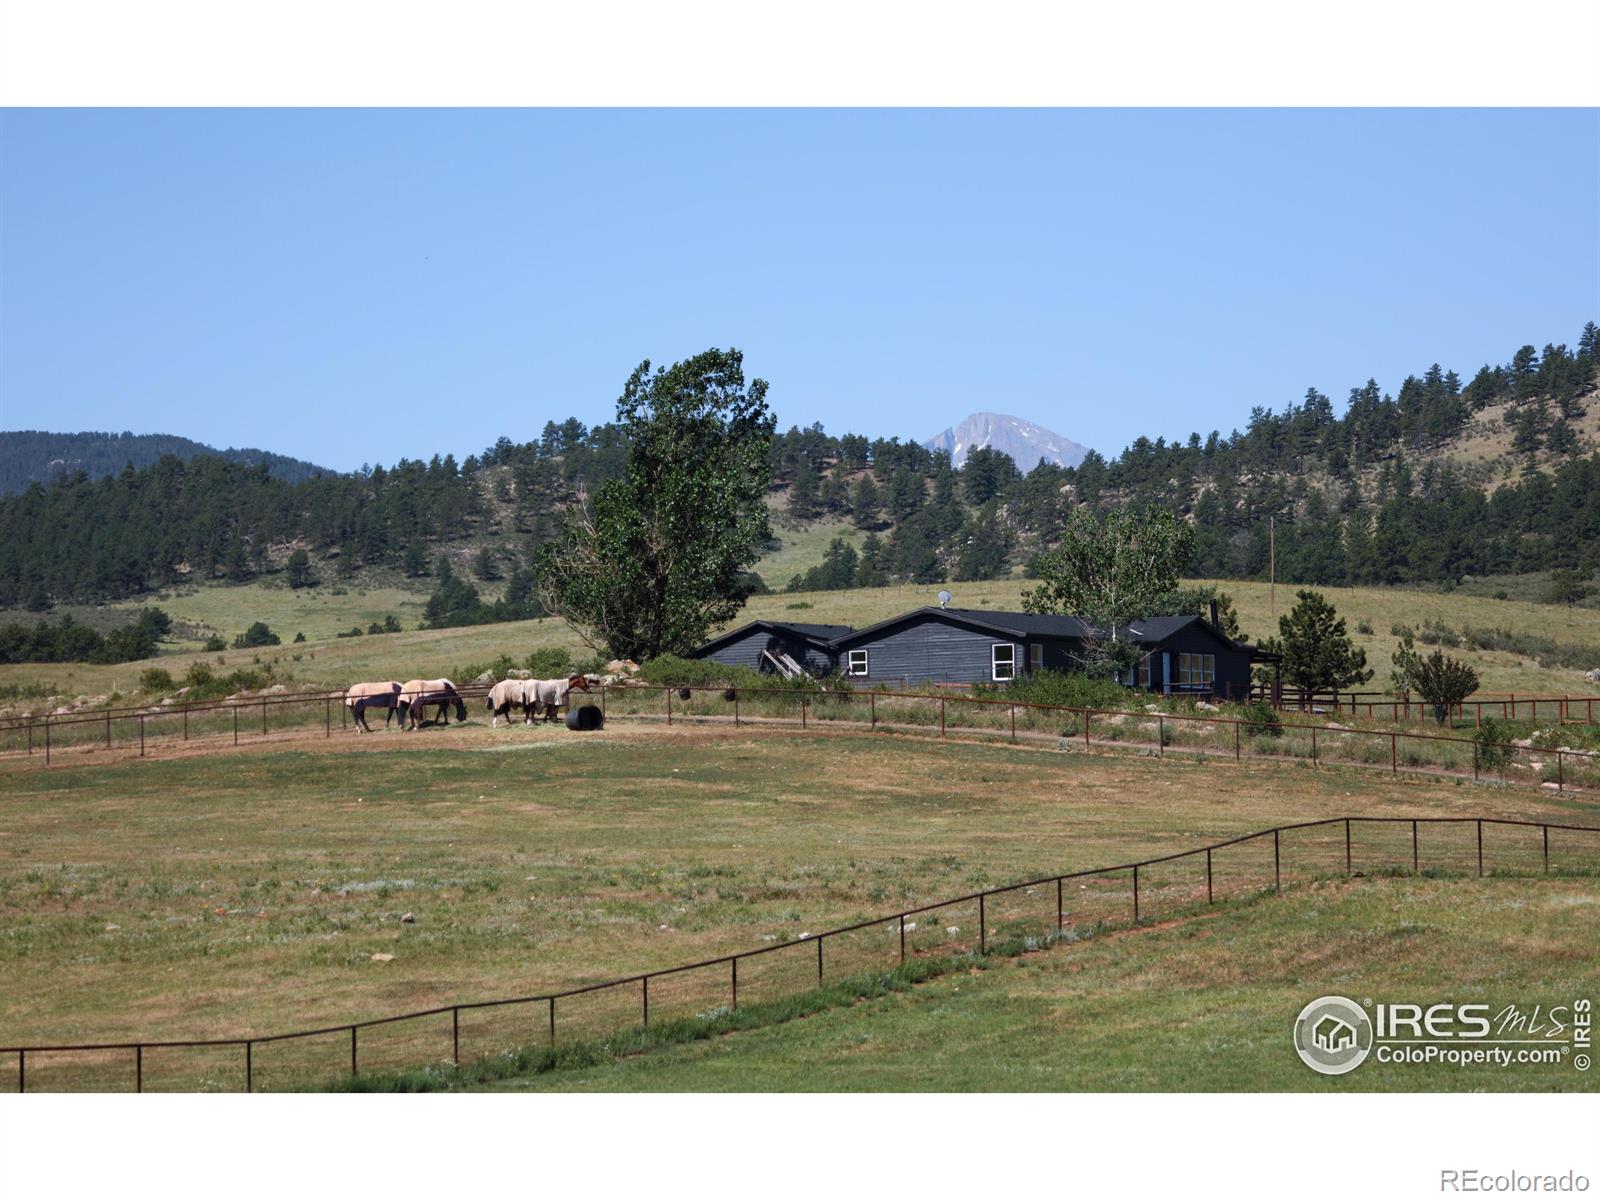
<point x="930" y="651"/>
<point x="746" y="651"/>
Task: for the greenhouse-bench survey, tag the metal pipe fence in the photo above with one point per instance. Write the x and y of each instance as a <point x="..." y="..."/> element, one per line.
<point x="1377" y="706"/>
<point x="1158" y="732"/>
<point x="1013" y="917"/>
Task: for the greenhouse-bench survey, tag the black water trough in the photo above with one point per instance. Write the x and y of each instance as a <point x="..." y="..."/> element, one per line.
<point x="585" y="719"/>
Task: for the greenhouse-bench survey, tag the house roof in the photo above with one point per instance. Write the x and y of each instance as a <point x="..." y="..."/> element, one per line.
<point x="1149" y="631"/>
<point x="820" y="635"/>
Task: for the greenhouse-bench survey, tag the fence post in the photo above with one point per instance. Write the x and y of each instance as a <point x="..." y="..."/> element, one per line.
<point x="186" y="722"/>
<point x="455" y="1036"/>
<point x="263" y="716"/>
<point x="1013" y="723"/>
<point x="1136" y="894"/>
<point x="249" y="1067"/>
<point x="872" y="705"/>
<point x="22" y="1071"/>
<point x="1394" y="754"/>
<point x="1277" y="874"/>
<point x="983" y="928"/>
<point x="819" y="960"/>
<point x="734" y="963"/>
<point x="1474" y="762"/>
<point x="736" y="708"/>
<point x="1547" y="849"/>
<point x="902" y="937"/>
<point x="1061" y="916"/>
<point x="1086" y="729"/>
<point x="1209" y="898"/>
<point x="1313" y="745"/>
<point x="1161" y="742"/>
<point x="552" y="1021"/>
<point x="941" y="716"/>
<point x="138" y="1069"/>
<point x="141" y="735"/>
<point x="803" y="706"/>
<point x="1236" y="740"/>
<point x="327" y="716"/>
<point x="1480" y="847"/>
<point x="645" y="980"/>
<point x="1414" y="859"/>
<point x="1347" y="869"/>
<point x="47" y="741"/>
<point x="30" y="737"/>
<point x="352" y="1049"/>
<point x="1561" y="771"/>
<point x="669" y="704"/>
<point x="108" y="729"/>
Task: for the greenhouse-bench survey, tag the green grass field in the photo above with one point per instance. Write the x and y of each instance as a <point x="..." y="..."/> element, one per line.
<point x="1203" y="1005"/>
<point x="246" y="893"/>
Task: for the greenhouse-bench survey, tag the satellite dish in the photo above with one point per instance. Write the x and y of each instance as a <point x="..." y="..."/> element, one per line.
<point x="944" y="599"/>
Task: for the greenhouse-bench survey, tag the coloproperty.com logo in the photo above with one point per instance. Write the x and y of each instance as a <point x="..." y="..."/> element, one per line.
<point x="1335" y="1034"/>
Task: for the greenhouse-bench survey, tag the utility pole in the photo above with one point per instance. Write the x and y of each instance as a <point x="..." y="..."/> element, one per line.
<point x="1272" y="564"/>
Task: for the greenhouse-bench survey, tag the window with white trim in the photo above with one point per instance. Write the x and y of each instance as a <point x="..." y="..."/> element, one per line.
<point x="1144" y="671"/>
<point x="858" y="663"/>
<point x="1036" y="656"/>
<point x="1002" y="661"/>
<point x="1197" y="670"/>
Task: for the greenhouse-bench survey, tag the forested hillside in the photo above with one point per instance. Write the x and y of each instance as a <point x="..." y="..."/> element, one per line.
<point x="1441" y="480"/>
<point x="32" y="456"/>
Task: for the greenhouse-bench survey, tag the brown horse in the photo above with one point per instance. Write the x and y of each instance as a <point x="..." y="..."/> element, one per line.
<point x="418" y="695"/>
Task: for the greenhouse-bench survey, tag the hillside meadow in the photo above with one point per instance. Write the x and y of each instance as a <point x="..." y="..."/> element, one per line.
<point x="326" y="660"/>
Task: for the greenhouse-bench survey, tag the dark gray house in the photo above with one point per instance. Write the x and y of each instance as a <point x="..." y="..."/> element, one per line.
<point x="1185" y="654"/>
<point x="758" y="644"/>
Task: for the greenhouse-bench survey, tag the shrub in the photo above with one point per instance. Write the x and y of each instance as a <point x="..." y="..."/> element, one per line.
<point x="1400" y="630"/>
<point x="299" y="637"/>
<point x="214" y="644"/>
<point x="353" y="631"/>
<point x="374" y="628"/>
<point x="1069" y="689"/>
<point x="1364" y="626"/>
<point x="549" y="662"/>
<point x="1494" y="744"/>
<point x="257" y="635"/>
<point x="1261" y="718"/>
<point x="155" y="679"/>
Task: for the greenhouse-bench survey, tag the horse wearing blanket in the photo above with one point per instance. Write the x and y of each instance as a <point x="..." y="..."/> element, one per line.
<point x="550" y="694"/>
<point x="509" y="694"/>
<point x="361" y="696"/>
<point x="418" y="695"/>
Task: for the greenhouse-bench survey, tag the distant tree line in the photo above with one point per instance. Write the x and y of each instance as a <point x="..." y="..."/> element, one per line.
<point x="68" y="641"/>
<point x="1351" y="497"/>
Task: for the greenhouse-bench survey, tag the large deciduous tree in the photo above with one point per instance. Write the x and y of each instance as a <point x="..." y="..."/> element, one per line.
<point x="653" y="561"/>
<point x="1111" y="570"/>
<point x="1318" y="655"/>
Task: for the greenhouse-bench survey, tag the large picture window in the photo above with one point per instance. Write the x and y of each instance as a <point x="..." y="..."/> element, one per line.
<point x="1197" y="671"/>
<point x="858" y="662"/>
<point x="1003" y="661"/>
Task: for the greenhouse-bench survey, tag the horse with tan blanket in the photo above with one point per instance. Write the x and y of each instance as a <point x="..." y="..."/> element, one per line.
<point x="418" y="695"/>
<point x="359" y="697"/>
<point x="509" y="694"/>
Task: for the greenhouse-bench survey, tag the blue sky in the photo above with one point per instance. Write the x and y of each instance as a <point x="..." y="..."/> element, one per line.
<point x="359" y="286"/>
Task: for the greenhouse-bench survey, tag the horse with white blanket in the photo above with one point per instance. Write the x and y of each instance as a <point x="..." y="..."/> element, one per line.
<point x="550" y="694"/>
<point x="418" y="695"/>
<point x="361" y="696"/>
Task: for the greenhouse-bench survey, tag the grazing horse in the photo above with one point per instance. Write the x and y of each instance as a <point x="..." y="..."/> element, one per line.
<point x="361" y="696"/>
<point x="508" y="694"/>
<point x="551" y="694"/>
<point x="418" y="695"/>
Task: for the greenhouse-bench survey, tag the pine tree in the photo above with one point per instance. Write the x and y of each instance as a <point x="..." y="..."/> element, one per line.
<point x="865" y="502"/>
<point x="1318" y="656"/>
<point x="803" y="492"/>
